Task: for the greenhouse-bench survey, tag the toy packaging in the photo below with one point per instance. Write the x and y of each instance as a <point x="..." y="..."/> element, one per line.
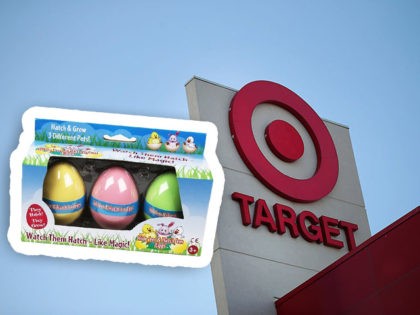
<point x="124" y="188"/>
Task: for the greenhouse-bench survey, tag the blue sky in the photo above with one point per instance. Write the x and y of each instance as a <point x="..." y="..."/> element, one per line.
<point x="356" y="63"/>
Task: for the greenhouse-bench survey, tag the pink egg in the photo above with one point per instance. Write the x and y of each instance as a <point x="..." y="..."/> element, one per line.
<point x="114" y="200"/>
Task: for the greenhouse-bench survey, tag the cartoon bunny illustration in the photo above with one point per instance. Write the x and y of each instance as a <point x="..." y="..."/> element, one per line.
<point x="163" y="230"/>
<point x="172" y="144"/>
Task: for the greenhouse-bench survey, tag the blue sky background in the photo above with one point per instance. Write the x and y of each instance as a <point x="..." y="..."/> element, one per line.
<point x="356" y="63"/>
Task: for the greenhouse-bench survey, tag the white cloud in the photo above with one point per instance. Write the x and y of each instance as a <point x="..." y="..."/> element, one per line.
<point x="119" y="138"/>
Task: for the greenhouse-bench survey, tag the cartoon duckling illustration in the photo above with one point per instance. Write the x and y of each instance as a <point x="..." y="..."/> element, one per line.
<point x="177" y="233"/>
<point x="154" y="142"/>
<point x="148" y="231"/>
<point x="172" y="144"/>
<point x="189" y="146"/>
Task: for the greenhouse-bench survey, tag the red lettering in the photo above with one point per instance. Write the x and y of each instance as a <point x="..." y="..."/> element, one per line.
<point x="285" y="216"/>
<point x="328" y="230"/>
<point x="312" y="232"/>
<point x="313" y="229"/>
<point x="244" y="202"/>
<point x="263" y="216"/>
<point x="349" y="229"/>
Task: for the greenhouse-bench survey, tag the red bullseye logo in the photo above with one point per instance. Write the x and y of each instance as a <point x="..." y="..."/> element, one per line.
<point x="284" y="141"/>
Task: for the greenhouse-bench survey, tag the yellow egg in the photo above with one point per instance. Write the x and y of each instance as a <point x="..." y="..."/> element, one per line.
<point x="64" y="192"/>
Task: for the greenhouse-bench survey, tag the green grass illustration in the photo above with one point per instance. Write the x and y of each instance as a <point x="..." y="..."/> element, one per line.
<point x="194" y="173"/>
<point x="41" y="136"/>
<point x="36" y="160"/>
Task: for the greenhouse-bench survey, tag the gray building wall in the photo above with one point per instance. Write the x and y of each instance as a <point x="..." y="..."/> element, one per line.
<point x="253" y="267"/>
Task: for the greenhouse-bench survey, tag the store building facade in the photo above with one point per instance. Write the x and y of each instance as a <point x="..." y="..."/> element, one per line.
<point x="292" y="202"/>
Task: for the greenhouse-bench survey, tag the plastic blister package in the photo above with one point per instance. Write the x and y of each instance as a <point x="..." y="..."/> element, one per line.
<point x="115" y="187"/>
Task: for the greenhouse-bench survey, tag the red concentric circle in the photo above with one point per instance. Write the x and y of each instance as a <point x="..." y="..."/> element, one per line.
<point x="300" y="190"/>
<point x="284" y="141"/>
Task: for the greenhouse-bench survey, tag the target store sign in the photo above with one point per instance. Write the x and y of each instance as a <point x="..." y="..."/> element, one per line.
<point x="292" y="201"/>
<point x="287" y="145"/>
<point x="284" y="140"/>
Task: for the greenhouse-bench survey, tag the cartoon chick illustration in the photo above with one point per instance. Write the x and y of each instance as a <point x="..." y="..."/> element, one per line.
<point x="154" y="142"/>
<point x="189" y="146"/>
<point x="172" y="144"/>
<point x="148" y="231"/>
